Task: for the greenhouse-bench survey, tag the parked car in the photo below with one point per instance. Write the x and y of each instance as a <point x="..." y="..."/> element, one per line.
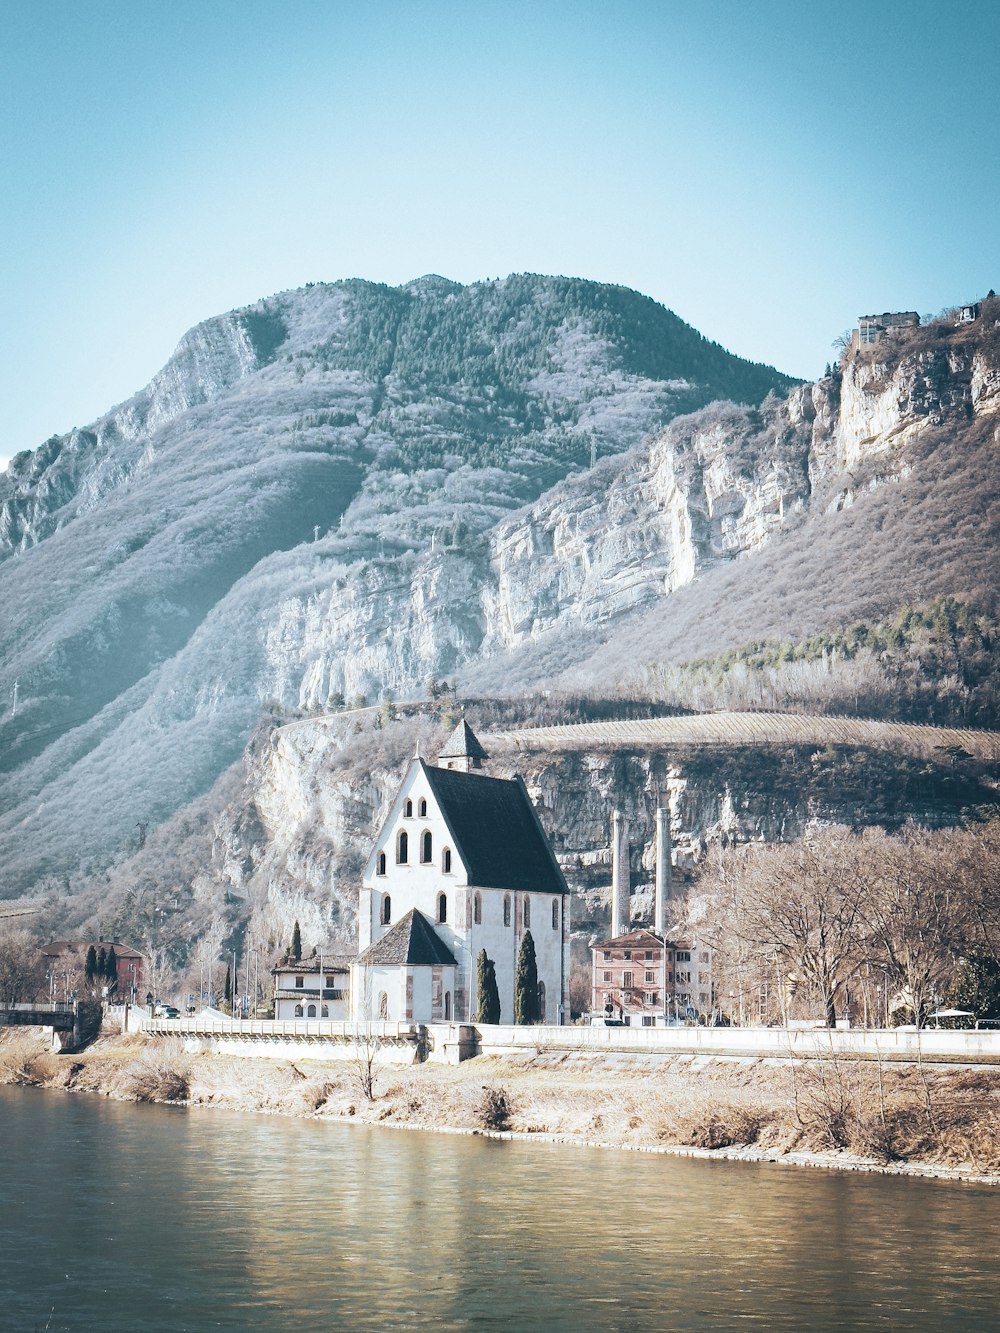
<point x="167" y="1011"/>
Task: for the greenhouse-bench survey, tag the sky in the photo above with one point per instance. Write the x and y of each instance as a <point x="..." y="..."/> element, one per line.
<point x="768" y="170"/>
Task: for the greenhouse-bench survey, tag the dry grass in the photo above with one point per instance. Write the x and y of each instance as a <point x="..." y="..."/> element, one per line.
<point x="935" y="1116"/>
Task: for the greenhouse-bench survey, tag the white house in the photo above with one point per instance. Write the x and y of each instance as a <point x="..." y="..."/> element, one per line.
<point x="460" y="864"/>
<point x="310" y="988"/>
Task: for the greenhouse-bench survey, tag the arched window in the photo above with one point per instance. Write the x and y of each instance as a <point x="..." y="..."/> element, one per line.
<point x="447" y="1006"/>
<point x="380" y="864"/>
<point x="426" y="847"/>
<point x="555" y="913"/>
<point x="386" y="910"/>
<point x="325" y="1012"/>
<point x="383" y="1005"/>
<point x="506" y="909"/>
<point x="477" y="909"/>
<point x="402" y="848"/>
<point x="446" y="861"/>
<point x="407" y="809"/>
<point x="298" y="1011"/>
<point x="311" y="1011"/>
<point x="422" y="808"/>
<point x="527" y="911"/>
<point x="541" y="1001"/>
<point x="442" y="908"/>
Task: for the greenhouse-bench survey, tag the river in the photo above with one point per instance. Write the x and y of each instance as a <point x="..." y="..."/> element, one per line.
<point x="123" y="1217"/>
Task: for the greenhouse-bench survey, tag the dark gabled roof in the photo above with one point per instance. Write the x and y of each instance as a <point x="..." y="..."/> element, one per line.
<point x="496" y="831"/>
<point x="463" y="743"/>
<point x="412" y="940"/>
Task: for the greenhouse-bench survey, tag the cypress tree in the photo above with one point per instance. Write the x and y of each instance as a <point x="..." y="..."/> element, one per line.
<point x="228" y="992"/>
<point x="102" y="964"/>
<point x="488" y="1008"/>
<point x="111" y="968"/>
<point x="90" y="966"/>
<point x="526" y="982"/>
<point x="297" y="943"/>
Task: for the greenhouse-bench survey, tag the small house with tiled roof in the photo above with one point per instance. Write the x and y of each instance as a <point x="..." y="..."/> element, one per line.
<point x="461" y="863"/>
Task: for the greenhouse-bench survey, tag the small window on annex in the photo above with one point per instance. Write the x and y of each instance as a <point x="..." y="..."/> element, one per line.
<point x="386" y="915"/>
<point x="477" y="909"/>
<point x="422" y="808"/>
<point x="402" y="848"/>
<point x="527" y="911"/>
<point x="407" y="809"/>
<point x="446" y="861"/>
<point x="506" y="909"/>
<point x="380" y="864"/>
<point x="311" y="1011"/>
<point x="426" y="847"/>
<point x="442" y="908"/>
<point x="555" y="913"/>
<point x="298" y="1011"/>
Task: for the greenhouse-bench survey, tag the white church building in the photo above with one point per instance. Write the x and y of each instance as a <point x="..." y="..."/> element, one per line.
<point x="460" y="864"/>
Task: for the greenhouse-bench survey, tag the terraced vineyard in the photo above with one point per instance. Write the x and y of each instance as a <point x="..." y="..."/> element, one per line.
<point x="750" y="729"/>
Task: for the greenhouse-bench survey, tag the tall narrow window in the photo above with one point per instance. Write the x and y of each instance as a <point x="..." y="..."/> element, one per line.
<point x="426" y="847"/>
<point x="311" y="1011"/>
<point x="506" y="909"/>
<point x="422" y="808"/>
<point x="555" y="913"/>
<point x="442" y="908"/>
<point x="386" y="910"/>
<point x="446" y="861"/>
<point x="477" y="909"/>
<point x="380" y="864"/>
<point x="383" y="1006"/>
<point x="402" y="848"/>
<point x="447" y="1006"/>
<point x="407" y="809"/>
<point x="527" y="911"/>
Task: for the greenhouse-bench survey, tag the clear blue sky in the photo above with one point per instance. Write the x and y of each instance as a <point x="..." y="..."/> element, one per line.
<point x="768" y="169"/>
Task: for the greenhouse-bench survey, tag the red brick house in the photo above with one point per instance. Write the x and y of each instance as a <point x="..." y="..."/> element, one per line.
<point x="646" y="980"/>
<point x="66" y="962"/>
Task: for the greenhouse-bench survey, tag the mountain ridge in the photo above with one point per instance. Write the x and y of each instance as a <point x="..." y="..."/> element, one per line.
<point x="295" y="464"/>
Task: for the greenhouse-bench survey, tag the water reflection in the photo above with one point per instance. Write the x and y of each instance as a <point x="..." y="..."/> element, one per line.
<point x="138" y="1218"/>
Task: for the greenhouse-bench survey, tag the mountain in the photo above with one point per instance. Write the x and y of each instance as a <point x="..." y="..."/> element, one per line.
<point x="304" y="504"/>
<point x="868" y="502"/>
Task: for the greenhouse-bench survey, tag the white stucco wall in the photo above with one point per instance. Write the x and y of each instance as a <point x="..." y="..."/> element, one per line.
<point x="417" y="884"/>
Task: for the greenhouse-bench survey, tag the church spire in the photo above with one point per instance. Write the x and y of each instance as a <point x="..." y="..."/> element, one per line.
<point x="463" y="750"/>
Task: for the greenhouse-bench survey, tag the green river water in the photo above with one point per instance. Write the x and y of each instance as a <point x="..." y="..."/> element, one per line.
<point x="122" y="1217"/>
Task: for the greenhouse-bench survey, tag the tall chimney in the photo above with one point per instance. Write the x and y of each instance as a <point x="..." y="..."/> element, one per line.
<point x="620" y="912"/>
<point x="662" y="869"/>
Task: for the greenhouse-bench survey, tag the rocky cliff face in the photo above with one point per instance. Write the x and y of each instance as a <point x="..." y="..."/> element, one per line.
<point x="299" y="505"/>
<point x="605" y="553"/>
<point x="290" y="841"/>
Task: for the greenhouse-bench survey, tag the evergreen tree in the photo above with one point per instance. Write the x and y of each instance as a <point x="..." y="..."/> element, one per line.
<point x="526" y="982"/>
<point x="297" y="943"/>
<point x="488" y="1009"/>
<point x="102" y="964"/>
<point x="111" y="968"/>
<point x="90" y="966"/>
<point x="228" y="992"/>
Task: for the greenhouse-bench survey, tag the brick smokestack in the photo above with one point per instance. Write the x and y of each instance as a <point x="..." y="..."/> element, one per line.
<point x="663" y="870"/>
<point x="620" y="906"/>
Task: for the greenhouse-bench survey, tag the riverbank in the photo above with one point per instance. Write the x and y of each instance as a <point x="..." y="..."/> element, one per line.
<point x="843" y="1113"/>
